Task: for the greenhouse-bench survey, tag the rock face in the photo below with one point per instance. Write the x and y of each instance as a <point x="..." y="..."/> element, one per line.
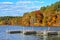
<point x="33" y="19"/>
<point x="46" y="16"/>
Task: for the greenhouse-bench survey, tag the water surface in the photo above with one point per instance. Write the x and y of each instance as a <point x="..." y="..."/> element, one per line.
<point x="5" y="36"/>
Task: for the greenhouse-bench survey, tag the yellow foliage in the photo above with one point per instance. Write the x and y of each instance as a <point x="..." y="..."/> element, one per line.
<point x="53" y="19"/>
<point x="37" y="24"/>
<point x="49" y="23"/>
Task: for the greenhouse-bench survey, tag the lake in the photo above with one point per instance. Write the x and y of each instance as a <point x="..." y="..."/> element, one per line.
<point x="5" y="36"/>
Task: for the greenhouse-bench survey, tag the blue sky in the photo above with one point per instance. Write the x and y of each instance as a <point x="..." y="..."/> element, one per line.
<point x="19" y="7"/>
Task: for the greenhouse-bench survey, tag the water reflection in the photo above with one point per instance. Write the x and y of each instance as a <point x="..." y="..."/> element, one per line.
<point x="54" y="38"/>
<point x="48" y="37"/>
<point x="44" y="37"/>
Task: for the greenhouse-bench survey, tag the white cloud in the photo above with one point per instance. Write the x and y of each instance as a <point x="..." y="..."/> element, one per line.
<point x="29" y="2"/>
<point x="42" y="2"/>
<point x="23" y="2"/>
<point x="7" y="9"/>
<point x="6" y="2"/>
<point x="19" y="8"/>
<point x="39" y="1"/>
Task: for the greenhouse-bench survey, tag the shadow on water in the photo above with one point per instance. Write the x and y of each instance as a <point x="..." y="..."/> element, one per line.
<point x="52" y="37"/>
<point x="48" y="37"/>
